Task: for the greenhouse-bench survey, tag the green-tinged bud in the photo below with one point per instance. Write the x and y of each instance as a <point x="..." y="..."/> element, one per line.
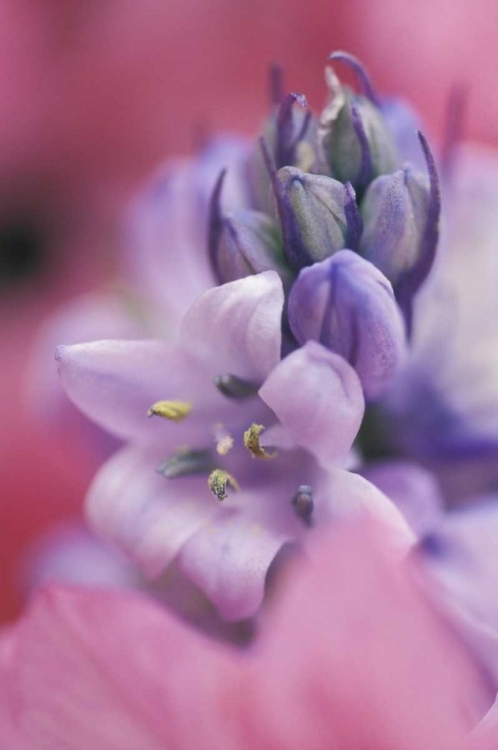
<point x="290" y="133"/>
<point x="356" y="142"/>
<point x="395" y="211"/>
<point x="318" y="215"/>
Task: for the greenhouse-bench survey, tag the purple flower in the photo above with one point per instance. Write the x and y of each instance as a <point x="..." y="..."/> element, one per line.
<point x="242" y="453"/>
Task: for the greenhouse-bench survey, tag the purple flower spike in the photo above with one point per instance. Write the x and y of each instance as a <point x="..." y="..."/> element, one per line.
<point x="411" y="281"/>
<point x="347" y="305"/>
<point x="360" y="72"/>
<point x="312" y="210"/>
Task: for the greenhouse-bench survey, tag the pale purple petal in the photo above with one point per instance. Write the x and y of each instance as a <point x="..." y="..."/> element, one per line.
<point x="167" y="258"/>
<point x="148" y="516"/>
<point x="343" y="494"/>
<point x="413" y="490"/>
<point x="318" y="398"/>
<point x="348" y="305"/>
<point x="69" y="553"/>
<point x="463" y="554"/>
<point x="91" y="317"/>
<point x="115" y="382"/>
<point x="229" y="557"/>
<point x="236" y="328"/>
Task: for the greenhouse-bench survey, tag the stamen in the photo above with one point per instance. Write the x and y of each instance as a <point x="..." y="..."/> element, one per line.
<point x="233" y="387"/>
<point x="303" y="503"/>
<point x="218" y="481"/>
<point x="251" y="442"/>
<point x="185" y="463"/>
<point x="176" y="411"/>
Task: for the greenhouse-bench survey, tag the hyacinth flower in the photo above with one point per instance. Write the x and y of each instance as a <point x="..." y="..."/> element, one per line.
<point x="233" y="452"/>
<point x="350" y="655"/>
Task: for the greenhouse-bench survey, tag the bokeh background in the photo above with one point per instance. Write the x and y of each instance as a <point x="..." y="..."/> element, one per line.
<point x="94" y="94"/>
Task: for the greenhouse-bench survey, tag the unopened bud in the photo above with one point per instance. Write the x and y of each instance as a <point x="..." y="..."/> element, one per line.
<point x="318" y="215"/>
<point x="394" y="211"/>
<point x="346" y="304"/>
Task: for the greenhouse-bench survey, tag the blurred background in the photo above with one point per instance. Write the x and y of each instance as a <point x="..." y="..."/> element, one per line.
<point x="95" y="94"/>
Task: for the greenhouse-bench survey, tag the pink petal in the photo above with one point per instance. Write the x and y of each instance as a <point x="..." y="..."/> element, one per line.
<point x="112" y="672"/>
<point x="145" y="514"/>
<point x="236" y="327"/>
<point x="358" y="659"/>
<point x="318" y="398"/>
<point x="351" y="656"/>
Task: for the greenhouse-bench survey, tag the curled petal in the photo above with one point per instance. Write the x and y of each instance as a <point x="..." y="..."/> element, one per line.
<point x="317" y="396"/>
<point x="229" y="557"/>
<point x="347" y="305"/>
<point x="236" y="328"/>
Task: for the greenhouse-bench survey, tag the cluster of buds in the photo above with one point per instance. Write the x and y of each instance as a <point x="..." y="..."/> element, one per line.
<point x="336" y="194"/>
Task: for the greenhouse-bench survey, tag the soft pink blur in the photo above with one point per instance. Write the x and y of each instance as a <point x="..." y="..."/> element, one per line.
<point x="351" y="656"/>
<point x="93" y="94"/>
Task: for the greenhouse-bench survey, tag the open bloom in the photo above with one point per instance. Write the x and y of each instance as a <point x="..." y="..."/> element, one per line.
<point x="240" y="453"/>
<point x="349" y="656"/>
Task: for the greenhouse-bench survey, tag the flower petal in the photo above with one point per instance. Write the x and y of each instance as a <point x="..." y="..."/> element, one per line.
<point x="318" y="398"/>
<point x="115" y="382"/>
<point x="228" y="559"/>
<point x="359" y="659"/>
<point x="348" y="305"/>
<point x="413" y="490"/>
<point x="167" y="256"/>
<point x="108" y="671"/>
<point x="236" y="327"/>
<point x="145" y="514"/>
<point x="343" y="494"/>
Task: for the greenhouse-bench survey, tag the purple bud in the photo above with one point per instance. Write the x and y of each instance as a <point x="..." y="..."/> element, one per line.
<point x="318" y="215"/>
<point x="394" y="211"/>
<point x="249" y="242"/>
<point x="347" y="305"/>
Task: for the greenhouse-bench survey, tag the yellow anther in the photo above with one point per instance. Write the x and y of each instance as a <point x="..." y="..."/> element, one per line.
<point x="251" y="441"/>
<point x="224" y="445"/>
<point x="173" y="410"/>
<point x="218" y="481"/>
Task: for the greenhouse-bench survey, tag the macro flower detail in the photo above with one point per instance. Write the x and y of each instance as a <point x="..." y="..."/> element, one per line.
<point x="214" y="490"/>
